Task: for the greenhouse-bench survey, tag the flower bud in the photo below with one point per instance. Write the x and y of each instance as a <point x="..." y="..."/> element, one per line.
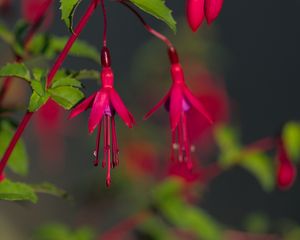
<point x="195" y="13"/>
<point x="212" y="9"/>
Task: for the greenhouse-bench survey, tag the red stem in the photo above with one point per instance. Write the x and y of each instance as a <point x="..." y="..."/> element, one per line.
<point x="147" y="26"/>
<point x="14" y="140"/>
<point x="72" y="39"/>
<point x="51" y="75"/>
<point x="104" y="24"/>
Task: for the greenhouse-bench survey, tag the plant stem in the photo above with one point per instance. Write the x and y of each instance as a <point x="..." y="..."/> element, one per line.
<point x="53" y="71"/>
<point x="147" y="26"/>
<point x="104" y="24"/>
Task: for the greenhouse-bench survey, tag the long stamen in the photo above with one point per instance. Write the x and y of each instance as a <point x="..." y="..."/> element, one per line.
<point x="186" y="141"/>
<point x="105" y="144"/>
<point x="115" y="148"/>
<point x="96" y="161"/>
<point x="107" y="150"/>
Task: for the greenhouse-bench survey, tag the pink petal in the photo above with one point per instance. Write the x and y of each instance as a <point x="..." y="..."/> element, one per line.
<point x="157" y="106"/>
<point x="121" y="108"/>
<point x="212" y="9"/>
<point x="197" y="104"/>
<point x="176" y="103"/>
<point x="195" y="13"/>
<point x="84" y="105"/>
<point x="100" y="103"/>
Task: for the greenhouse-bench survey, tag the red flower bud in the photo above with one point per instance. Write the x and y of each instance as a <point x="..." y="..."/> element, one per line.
<point x="212" y="9"/>
<point x="286" y="172"/>
<point x="286" y="175"/>
<point x="195" y="13"/>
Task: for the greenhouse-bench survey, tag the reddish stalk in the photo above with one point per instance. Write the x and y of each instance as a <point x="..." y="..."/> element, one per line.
<point x="24" y="122"/>
<point x="147" y="26"/>
<point x="104" y="24"/>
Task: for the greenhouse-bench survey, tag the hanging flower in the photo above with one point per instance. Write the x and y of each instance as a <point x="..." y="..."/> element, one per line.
<point x="286" y="171"/>
<point x="178" y="101"/>
<point x="105" y="103"/>
<point x="198" y="10"/>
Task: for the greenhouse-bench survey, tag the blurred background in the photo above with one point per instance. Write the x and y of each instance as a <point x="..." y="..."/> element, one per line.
<point x="244" y="68"/>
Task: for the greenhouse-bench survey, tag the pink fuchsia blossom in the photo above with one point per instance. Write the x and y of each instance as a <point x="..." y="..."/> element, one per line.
<point x="286" y="170"/>
<point x="195" y="13"/>
<point x="32" y="9"/>
<point x="104" y="104"/>
<point x="178" y="101"/>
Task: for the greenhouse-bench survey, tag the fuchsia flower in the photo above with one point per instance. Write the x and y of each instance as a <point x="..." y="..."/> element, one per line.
<point x="31" y="10"/>
<point x="197" y="10"/>
<point x="178" y="101"/>
<point x="286" y="171"/>
<point x="105" y="103"/>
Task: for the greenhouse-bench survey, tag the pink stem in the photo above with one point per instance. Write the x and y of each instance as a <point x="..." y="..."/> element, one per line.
<point x="104" y="24"/>
<point x="51" y="75"/>
<point x="147" y="26"/>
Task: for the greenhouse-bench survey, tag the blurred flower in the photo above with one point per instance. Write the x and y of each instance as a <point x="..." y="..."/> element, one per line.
<point x="105" y="103"/>
<point x="49" y="128"/>
<point x="212" y="9"/>
<point x="178" y="101"/>
<point x="32" y="10"/>
<point x="286" y="171"/>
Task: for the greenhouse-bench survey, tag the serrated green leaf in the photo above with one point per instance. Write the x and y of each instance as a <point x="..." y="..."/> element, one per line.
<point x="262" y="167"/>
<point x="18" y="162"/>
<point x="15" y="191"/>
<point x="291" y="138"/>
<point x="66" y="81"/>
<point x="68" y="8"/>
<point x="15" y="70"/>
<point x="50" y="189"/>
<point x="37" y="101"/>
<point x="66" y="96"/>
<point x="158" y="9"/>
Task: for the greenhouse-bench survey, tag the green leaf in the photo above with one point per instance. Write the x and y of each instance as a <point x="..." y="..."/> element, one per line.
<point x="66" y="96"/>
<point x="291" y="138"/>
<point x="37" y="101"/>
<point x="262" y="167"/>
<point x="66" y="81"/>
<point x="68" y="8"/>
<point x="227" y="139"/>
<point x="57" y="231"/>
<point x="14" y="191"/>
<point x="158" y="9"/>
<point x="15" y="70"/>
<point x="5" y="34"/>
<point x="50" y="189"/>
<point x="49" y="46"/>
<point x="181" y="214"/>
<point x="18" y="162"/>
<point x="87" y="74"/>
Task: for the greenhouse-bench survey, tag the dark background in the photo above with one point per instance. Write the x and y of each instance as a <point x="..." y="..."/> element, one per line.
<point x="262" y="38"/>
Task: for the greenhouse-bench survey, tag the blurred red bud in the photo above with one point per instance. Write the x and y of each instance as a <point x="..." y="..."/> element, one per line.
<point x="212" y="9"/>
<point x="195" y="13"/>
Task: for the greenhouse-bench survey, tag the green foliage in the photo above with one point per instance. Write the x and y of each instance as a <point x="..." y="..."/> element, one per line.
<point x="158" y="9"/>
<point x="5" y="34"/>
<point x="257" y="223"/>
<point x="18" y="162"/>
<point x="68" y="8"/>
<point x="15" y="70"/>
<point x="232" y="153"/>
<point x="262" y="167"/>
<point x="50" y="189"/>
<point x="15" y="191"/>
<point x="57" y="231"/>
<point x="49" y="46"/>
<point x="186" y="217"/>
<point x="291" y="138"/>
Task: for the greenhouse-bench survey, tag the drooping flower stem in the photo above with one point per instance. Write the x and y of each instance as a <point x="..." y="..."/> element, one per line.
<point x="24" y="122"/>
<point x="147" y="26"/>
<point x="31" y="32"/>
<point x="104" y="23"/>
